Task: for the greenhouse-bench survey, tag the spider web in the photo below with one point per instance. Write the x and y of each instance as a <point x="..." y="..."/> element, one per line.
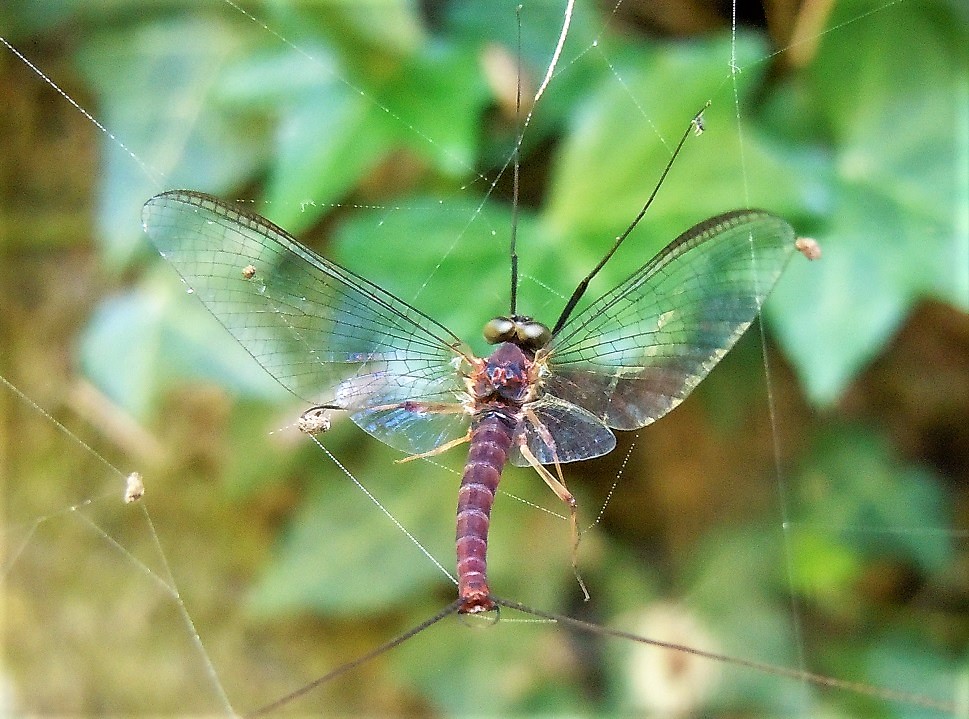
<point x="165" y="606"/>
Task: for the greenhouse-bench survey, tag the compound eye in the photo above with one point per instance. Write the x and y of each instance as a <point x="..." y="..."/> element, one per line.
<point x="500" y="329"/>
<point x="534" y="334"/>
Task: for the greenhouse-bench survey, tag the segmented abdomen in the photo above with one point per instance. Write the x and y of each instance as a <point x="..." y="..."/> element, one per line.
<point x="491" y="437"/>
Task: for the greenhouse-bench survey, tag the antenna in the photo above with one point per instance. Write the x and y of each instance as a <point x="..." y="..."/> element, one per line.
<point x="695" y="126"/>
<point x="519" y="134"/>
<point x="520" y="126"/>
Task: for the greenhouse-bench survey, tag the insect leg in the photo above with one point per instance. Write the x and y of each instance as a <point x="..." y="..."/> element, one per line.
<point x="557" y="486"/>
<point x="437" y="450"/>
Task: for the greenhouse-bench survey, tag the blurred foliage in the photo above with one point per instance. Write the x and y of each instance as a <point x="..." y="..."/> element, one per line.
<point x="866" y="167"/>
<point x="377" y="132"/>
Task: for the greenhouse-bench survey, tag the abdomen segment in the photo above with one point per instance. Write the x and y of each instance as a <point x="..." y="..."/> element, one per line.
<point x="491" y="438"/>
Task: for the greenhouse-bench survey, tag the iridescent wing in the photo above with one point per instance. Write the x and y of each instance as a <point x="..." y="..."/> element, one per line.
<point x="324" y="333"/>
<point x="639" y="350"/>
<point x="556" y="430"/>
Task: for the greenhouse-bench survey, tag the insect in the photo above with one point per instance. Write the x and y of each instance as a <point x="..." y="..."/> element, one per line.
<point x="546" y="396"/>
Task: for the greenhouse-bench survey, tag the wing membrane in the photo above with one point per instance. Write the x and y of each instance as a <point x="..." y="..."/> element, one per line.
<point x="639" y="350"/>
<point x="575" y="434"/>
<point x="399" y="411"/>
<point x="326" y="334"/>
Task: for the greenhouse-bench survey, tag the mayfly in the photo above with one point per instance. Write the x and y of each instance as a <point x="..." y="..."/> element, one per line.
<point x="546" y="396"/>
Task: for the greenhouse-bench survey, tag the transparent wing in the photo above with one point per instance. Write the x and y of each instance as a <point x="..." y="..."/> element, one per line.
<point x="401" y="412"/>
<point x="326" y="334"/>
<point x="554" y="429"/>
<point x="639" y="350"/>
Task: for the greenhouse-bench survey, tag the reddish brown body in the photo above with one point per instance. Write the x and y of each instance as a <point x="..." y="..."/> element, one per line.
<point x="501" y="385"/>
<point x="491" y="438"/>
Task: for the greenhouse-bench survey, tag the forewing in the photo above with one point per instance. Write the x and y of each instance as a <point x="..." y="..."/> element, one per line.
<point x="639" y="350"/>
<point x="378" y="403"/>
<point x="554" y="429"/>
<point x="326" y="334"/>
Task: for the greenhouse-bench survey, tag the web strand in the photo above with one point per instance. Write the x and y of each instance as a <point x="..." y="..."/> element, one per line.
<point x="783" y="494"/>
<point x="888" y="695"/>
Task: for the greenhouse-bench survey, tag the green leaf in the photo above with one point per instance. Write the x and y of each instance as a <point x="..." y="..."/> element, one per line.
<point x="327" y="135"/>
<point x="466" y="283"/>
<point x="331" y="134"/>
<point x="484" y="26"/>
<point x="342" y="555"/>
<point x="541" y="24"/>
<point x="854" y="497"/>
<point x="833" y="315"/>
<point x="896" y="229"/>
<point x="21" y="18"/>
<point x="435" y="100"/>
<point x="608" y="165"/>
<point x="366" y="34"/>
<point x="137" y="344"/>
<point x="328" y="139"/>
<point x="157" y="85"/>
